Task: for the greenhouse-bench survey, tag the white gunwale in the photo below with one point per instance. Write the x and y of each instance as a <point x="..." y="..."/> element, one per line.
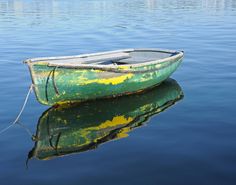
<point x="179" y="54"/>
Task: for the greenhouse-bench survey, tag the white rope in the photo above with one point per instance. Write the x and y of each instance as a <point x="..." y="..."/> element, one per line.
<point x="21" y="111"/>
<point x="28" y="131"/>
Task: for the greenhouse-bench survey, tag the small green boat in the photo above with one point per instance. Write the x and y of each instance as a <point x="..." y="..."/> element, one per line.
<point x="59" y="80"/>
<point x="75" y="128"/>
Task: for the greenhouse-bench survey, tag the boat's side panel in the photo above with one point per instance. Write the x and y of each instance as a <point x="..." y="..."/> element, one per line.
<point x="56" y="85"/>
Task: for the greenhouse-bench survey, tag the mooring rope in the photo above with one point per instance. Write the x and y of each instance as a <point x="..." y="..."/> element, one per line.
<point x="21" y="111"/>
<point x="28" y="131"/>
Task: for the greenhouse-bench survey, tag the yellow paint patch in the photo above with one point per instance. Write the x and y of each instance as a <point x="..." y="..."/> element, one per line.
<point x="117" y="120"/>
<point x="147" y="107"/>
<point x="157" y="65"/>
<point x="124" y="67"/>
<point x="114" y="80"/>
<point x="123" y="133"/>
<point x="97" y="70"/>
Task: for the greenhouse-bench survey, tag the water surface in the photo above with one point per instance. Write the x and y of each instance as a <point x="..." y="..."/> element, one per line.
<point x="191" y="142"/>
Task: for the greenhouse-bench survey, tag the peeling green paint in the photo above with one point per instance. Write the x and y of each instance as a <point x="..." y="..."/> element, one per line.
<point x="59" y="85"/>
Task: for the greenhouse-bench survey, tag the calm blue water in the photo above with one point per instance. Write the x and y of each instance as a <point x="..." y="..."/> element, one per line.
<point x="192" y="142"/>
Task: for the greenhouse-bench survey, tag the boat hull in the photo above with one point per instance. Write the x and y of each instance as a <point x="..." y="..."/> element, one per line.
<point x="56" y="85"/>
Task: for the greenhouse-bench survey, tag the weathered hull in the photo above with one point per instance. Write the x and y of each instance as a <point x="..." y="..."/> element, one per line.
<point x="73" y="128"/>
<point x="55" y="85"/>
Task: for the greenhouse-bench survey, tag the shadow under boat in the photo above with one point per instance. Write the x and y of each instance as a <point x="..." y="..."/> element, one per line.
<point x="80" y="127"/>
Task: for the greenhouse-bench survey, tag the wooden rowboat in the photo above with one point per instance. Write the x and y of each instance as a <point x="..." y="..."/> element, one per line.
<point x="84" y="77"/>
<point x="76" y="128"/>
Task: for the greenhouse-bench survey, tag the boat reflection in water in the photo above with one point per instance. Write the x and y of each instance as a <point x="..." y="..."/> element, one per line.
<point x="76" y="128"/>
